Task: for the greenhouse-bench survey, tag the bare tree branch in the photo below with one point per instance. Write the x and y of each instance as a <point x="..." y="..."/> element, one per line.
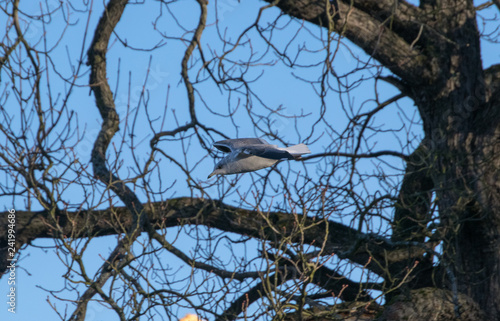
<point x="342" y="240"/>
<point x="376" y="38"/>
<point x="105" y="103"/>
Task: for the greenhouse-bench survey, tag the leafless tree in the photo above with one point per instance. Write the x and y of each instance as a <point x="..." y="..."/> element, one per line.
<point x="393" y="219"/>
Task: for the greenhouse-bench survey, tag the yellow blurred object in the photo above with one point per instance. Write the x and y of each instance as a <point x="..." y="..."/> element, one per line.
<point x="191" y="317"/>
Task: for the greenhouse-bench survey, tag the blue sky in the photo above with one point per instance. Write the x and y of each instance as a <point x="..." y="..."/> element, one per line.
<point x="279" y="87"/>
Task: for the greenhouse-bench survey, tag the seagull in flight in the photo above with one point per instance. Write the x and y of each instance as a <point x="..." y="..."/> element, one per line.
<point x="251" y="154"/>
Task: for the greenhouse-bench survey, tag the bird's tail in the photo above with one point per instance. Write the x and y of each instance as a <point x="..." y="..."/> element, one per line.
<point x="298" y="150"/>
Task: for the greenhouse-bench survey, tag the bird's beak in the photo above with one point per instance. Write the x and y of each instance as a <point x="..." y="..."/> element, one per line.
<point x="213" y="173"/>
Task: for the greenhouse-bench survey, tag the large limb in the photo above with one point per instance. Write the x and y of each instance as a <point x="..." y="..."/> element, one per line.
<point x="110" y="125"/>
<point x="344" y="241"/>
<point x="387" y="32"/>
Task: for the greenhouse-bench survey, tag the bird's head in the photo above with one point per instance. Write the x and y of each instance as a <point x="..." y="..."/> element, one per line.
<point x="220" y="168"/>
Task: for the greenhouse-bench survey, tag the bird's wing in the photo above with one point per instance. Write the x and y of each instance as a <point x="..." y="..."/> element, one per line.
<point x="267" y="151"/>
<point x="230" y="145"/>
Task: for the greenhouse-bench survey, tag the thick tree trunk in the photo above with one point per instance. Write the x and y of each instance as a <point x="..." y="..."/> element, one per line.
<point x="464" y="135"/>
<point x="460" y="113"/>
<point x="468" y="193"/>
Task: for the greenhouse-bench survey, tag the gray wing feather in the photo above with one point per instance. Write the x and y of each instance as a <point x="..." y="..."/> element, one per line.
<point x="229" y="145"/>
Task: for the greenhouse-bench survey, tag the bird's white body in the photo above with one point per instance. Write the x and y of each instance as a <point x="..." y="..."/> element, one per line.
<point x="251" y="154"/>
<point x="237" y="162"/>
